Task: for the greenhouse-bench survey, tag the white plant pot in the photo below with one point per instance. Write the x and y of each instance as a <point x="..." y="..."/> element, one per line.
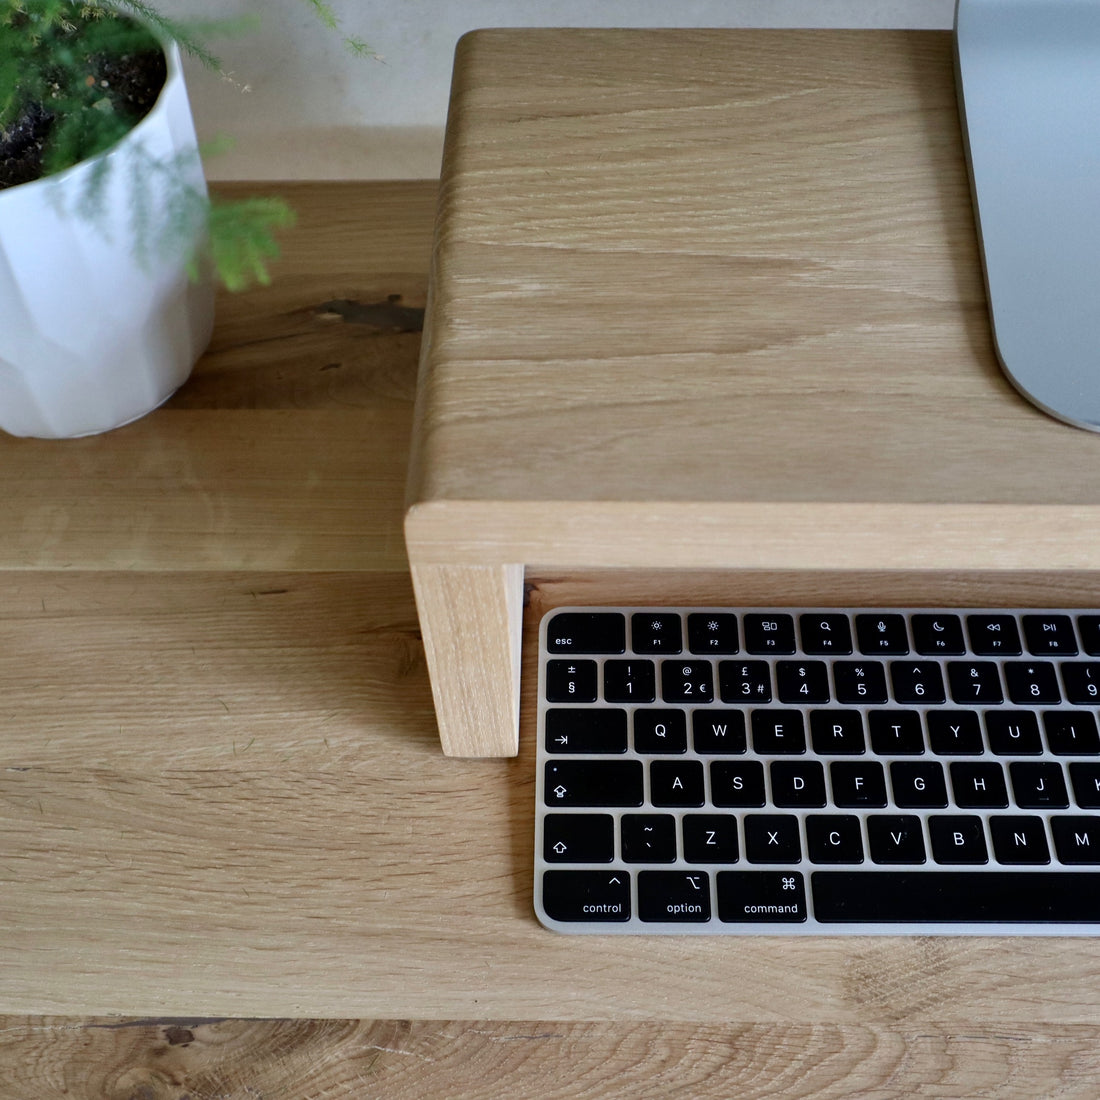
<point x="91" y="335"/>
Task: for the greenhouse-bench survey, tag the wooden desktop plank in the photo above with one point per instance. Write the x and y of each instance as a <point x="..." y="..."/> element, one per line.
<point x="491" y="1060"/>
<point x="222" y="794"/>
<point x="287" y="447"/>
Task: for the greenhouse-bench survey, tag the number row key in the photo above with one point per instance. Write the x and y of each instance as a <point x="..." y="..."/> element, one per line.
<point x="807" y="682"/>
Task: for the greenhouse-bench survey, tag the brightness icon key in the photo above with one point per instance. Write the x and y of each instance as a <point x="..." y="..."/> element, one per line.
<point x="712" y="633"/>
<point x="656" y="632"/>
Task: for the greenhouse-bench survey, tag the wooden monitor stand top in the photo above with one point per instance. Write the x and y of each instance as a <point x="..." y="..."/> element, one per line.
<point x="710" y="300"/>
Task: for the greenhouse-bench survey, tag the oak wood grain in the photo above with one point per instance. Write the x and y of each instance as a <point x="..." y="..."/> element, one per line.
<point x="719" y="267"/>
<point x="287" y="448"/>
<point x="713" y="300"/>
<point x="471" y="622"/>
<point x="222" y="793"/>
<point x="219" y="1059"/>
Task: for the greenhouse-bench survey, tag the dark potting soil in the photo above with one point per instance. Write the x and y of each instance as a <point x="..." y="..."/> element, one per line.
<point x="130" y="83"/>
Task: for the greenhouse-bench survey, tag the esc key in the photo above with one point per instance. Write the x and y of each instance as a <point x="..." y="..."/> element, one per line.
<point x="587" y="632"/>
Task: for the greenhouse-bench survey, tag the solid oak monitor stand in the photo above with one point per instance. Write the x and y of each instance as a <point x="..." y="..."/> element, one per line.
<point x="712" y="301"/>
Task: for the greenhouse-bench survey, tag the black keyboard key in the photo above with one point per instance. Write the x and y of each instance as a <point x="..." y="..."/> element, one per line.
<point x="678" y="783"/>
<point x="882" y="634"/>
<point x="1049" y="634"/>
<point x="712" y="634"/>
<point x="772" y="838"/>
<point x="955" y="733"/>
<point x="587" y="632"/>
<point x="1071" y="732"/>
<point x="710" y="838"/>
<point x="648" y="838"/>
<point x="629" y="681"/>
<point x="584" y="730"/>
<point x="834" y="838"/>
<point x="957" y="838"/>
<point x="656" y="632"/>
<point x="676" y="896"/>
<point x="1082" y="682"/>
<point x="802" y="681"/>
<point x="1038" y="785"/>
<point x="797" y="783"/>
<point x="593" y="783"/>
<point x="757" y="897"/>
<point x="896" y="732"/>
<point x="918" y="784"/>
<point x="956" y="897"/>
<point x="895" y="838"/>
<point x="660" y="731"/>
<point x="1031" y="682"/>
<point x="745" y="682"/>
<point x="770" y="634"/>
<point x="1089" y="627"/>
<point x="1086" y="785"/>
<point x="778" y="732"/>
<point x="586" y="895"/>
<point x="1013" y="732"/>
<point x="737" y="783"/>
<point x="858" y="784"/>
<point x="916" y="682"/>
<point x="578" y="838"/>
<point x="980" y="785"/>
<point x="825" y="633"/>
<point x="1076" y="839"/>
<point x="938" y="635"/>
<point x="974" y="682"/>
<point x="570" y="681"/>
<point x="837" y="732"/>
<point x="860" y="682"/>
<point x="687" y="682"/>
<point x="718" y="731"/>
<point x="1019" y="840"/>
<point x="993" y="635"/>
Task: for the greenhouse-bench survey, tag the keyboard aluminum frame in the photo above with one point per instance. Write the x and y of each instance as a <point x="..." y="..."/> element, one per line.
<point x="811" y="926"/>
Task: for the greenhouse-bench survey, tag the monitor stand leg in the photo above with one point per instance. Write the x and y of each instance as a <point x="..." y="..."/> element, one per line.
<point x="1029" y="94"/>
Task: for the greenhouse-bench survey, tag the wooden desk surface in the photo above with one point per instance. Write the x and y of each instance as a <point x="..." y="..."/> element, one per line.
<point x="221" y="791"/>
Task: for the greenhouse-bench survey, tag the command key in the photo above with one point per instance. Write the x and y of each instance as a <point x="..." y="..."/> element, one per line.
<point x="760" y="896"/>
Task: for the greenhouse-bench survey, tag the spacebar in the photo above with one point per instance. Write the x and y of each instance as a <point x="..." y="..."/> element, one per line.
<point x="1010" y="897"/>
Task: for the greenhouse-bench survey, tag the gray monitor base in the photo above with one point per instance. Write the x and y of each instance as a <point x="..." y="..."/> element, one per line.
<point x="1029" y="94"/>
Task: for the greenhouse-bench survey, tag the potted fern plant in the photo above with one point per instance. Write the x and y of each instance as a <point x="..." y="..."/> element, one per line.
<point x="110" y="246"/>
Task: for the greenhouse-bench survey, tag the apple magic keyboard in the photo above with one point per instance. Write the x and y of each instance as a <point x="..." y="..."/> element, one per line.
<point x="818" y="771"/>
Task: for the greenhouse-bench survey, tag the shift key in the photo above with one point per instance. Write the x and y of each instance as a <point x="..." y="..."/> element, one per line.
<point x="593" y="783"/>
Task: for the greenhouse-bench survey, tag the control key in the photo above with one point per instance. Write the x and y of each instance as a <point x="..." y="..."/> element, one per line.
<point x="586" y="895"/>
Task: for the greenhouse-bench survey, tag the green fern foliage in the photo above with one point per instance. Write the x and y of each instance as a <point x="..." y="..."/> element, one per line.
<point x="49" y="48"/>
<point x="242" y="241"/>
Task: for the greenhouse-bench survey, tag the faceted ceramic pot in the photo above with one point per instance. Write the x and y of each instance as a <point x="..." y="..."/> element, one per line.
<point x="94" y="333"/>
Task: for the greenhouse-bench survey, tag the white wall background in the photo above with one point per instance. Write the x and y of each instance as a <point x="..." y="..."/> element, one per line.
<point x="297" y="105"/>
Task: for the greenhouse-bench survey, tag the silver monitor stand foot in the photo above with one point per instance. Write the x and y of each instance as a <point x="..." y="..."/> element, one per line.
<point x="1029" y="92"/>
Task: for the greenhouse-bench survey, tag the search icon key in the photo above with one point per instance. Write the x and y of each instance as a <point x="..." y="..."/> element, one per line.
<point x="824" y="633"/>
